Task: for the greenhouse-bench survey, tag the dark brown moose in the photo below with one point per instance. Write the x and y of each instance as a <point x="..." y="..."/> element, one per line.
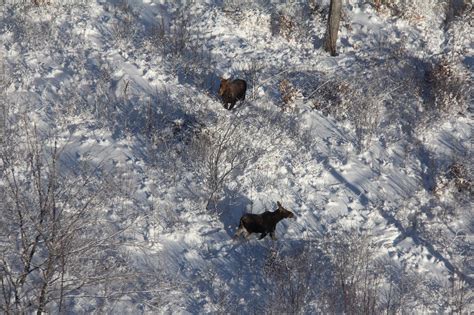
<point x="232" y="91"/>
<point x="262" y="223"/>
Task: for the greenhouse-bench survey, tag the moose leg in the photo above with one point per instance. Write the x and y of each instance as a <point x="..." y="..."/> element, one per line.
<point x="231" y="105"/>
<point x="239" y="232"/>
<point x="263" y="235"/>
<point x="272" y="234"/>
<point x="247" y="234"/>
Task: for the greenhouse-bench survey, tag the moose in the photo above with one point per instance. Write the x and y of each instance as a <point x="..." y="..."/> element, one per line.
<point x="264" y="223"/>
<point x="231" y="91"/>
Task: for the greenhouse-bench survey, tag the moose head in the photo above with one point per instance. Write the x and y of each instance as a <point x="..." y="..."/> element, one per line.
<point x="264" y="223"/>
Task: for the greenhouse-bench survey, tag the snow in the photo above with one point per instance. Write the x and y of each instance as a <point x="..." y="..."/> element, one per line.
<point x="90" y="86"/>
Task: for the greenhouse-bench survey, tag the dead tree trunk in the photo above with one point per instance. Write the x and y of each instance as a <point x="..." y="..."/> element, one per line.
<point x="333" y="26"/>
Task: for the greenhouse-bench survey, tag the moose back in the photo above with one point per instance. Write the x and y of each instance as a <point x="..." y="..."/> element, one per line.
<point x="232" y="91"/>
<point x="264" y="223"/>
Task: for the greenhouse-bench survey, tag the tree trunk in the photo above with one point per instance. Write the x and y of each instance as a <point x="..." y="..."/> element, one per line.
<point x="333" y="26"/>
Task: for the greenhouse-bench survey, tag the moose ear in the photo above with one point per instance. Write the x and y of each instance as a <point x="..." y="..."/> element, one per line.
<point x="278" y="204"/>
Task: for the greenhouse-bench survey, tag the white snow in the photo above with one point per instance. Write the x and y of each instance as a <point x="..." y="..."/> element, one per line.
<point x="91" y="85"/>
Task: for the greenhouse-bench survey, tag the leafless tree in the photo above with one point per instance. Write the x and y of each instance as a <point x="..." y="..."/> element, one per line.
<point x="292" y="280"/>
<point x="356" y="282"/>
<point x="51" y="251"/>
<point x="333" y="26"/>
<point x="458" y="295"/>
<point x="220" y="151"/>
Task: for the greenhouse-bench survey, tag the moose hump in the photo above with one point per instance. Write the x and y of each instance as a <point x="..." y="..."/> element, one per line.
<point x="232" y="91"/>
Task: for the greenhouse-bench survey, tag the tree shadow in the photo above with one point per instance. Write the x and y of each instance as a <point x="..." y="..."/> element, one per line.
<point x="364" y="200"/>
<point x="404" y="233"/>
<point x="418" y="240"/>
<point x="232" y="207"/>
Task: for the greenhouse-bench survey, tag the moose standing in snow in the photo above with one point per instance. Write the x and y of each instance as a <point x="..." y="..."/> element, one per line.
<point x="262" y="223"/>
<point x="232" y="91"/>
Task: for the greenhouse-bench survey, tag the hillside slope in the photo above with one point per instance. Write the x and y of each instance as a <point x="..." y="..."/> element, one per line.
<point x="113" y="107"/>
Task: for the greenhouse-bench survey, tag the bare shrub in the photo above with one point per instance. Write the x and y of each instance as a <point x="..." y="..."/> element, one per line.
<point x="220" y="152"/>
<point x="5" y="80"/>
<point x="30" y="25"/>
<point x="412" y="11"/>
<point x="450" y="87"/>
<point x="222" y="298"/>
<point x="357" y="281"/>
<point x="187" y="130"/>
<point x="287" y="91"/>
<point x="3" y="115"/>
<point x="125" y="28"/>
<point x="390" y="6"/>
<point x="235" y="9"/>
<point x="457" y="9"/>
<point x="285" y="26"/>
<point x="292" y="280"/>
<point x="362" y="107"/>
<point x="290" y="23"/>
<point x="341" y="274"/>
<point x="40" y="2"/>
<point x="197" y="67"/>
<point x="253" y="72"/>
<point x="365" y="113"/>
<point x="377" y="4"/>
<point x="315" y="6"/>
<point x="458" y="295"/>
<point x="103" y="106"/>
<point x="173" y="36"/>
<point x="331" y="98"/>
<point x="158" y="35"/>
<point x="398" y="296"/>
<point x="461" y="176"/>
<point x="289" y="94"/>
<point x="457" y="178"/>
<point x="180" y="31"/>
<point x="51" y="250"/>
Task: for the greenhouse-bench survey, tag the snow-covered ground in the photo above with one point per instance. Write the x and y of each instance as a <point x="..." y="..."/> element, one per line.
<point x="362" y="150"/>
